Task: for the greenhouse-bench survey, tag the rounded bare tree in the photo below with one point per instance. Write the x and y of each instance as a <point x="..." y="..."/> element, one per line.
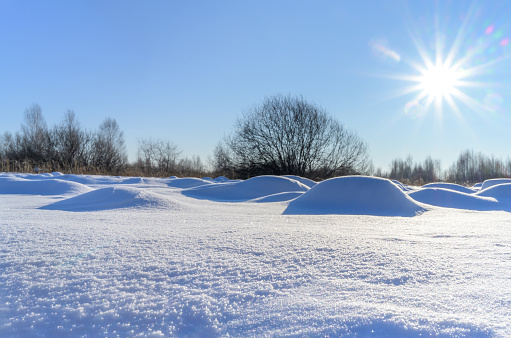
<point x="286" y="135"/>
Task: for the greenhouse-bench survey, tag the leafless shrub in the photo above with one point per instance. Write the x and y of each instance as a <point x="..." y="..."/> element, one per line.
<point x="287" y="135"/>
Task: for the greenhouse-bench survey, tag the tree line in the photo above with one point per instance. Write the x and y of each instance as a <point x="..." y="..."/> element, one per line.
<point x="469" y="168"/>
<point x="65" y="146"/>
<point x="69" y="148"/>
<point x="281" y="135"/>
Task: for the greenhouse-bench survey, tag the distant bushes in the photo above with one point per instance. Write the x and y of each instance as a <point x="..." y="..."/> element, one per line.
<point x="283" y="135"/>
<point x="410" y="172"/>
<point x="468" y="169"/>
<point x="476" y="167"/>
<point x="64" y="147"/>
<point x="68" y="148"/>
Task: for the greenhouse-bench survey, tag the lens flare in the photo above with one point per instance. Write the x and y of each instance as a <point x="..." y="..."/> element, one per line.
<point x="493" y="102"/>
<point x="455" y="66"/>
<point x="413" y="110"/>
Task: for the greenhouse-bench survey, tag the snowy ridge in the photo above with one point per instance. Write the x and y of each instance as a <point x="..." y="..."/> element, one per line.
<point x="114" y="198"/>
<point x="355" y="195"/>
<point x="28" y="186"/>
<point x="490" y="183"/>
<point x="450" y="186"/>
<point x="454" y="199"/>
<point x="261" y="188"/>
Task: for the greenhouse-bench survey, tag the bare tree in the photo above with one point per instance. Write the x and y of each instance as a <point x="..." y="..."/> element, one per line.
<point x="287" y="135"/>
<point x="158" y="155"/>
<point x="222" y="161"/>
<point x="70" y="143"/>
<point x="191" y="167"/>
<point x="108" y="148"/>
<point x="34" y="141"/>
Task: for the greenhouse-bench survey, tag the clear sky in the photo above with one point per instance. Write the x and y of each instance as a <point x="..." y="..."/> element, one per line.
<point x="411" y="77"/>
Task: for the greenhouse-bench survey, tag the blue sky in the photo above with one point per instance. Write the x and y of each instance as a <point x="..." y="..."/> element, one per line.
<point x="184" y="70"/>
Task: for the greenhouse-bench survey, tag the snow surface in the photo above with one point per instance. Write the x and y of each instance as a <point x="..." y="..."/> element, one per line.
<point x="15" y="185"/>
<point x="151" y="261"/>
<point x="454" y="199"/>
<point x="450" y="186"/>
<point x="279" y="188"/>
<point x="490" y="183"/>
<point x="355" y="195"/>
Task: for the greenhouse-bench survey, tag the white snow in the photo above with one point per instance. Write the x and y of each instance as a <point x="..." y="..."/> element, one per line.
<point x="454" y="199"/>
<point x="450" y="186"/>
<point x="114" y="198"/>
<point x="137" y="257"/>
<point x="355" y="195"/>
<point x="188" y="182"/>
<point x="490" y="183"/>
<point x="14" y="185"/>
<point x="254" y="188"/>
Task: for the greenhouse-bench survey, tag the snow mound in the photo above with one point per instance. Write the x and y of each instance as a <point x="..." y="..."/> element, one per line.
<point x="132" y="180"/>
<point x="401" y="185"/>
<point x="90" y="179"/>
<point x="221" y="179"/>
<point x="355" y="195"/>
<point x="450" y="186"/>
<point x="251" y="189"/>
<point x="188" y="182"/>
<point x="14" y="185"/>
<point x="303" y="180"/>
<point x="501" y="192"/>
<point x="280" y="197"/>
<point x="447" y="198"/>
<point x="496" y="181"/>
<point x="477" y="186"/>
<point x="114" y="198"/>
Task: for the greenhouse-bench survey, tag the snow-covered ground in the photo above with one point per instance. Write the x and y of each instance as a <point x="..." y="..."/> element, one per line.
<point x="271" y="256"/>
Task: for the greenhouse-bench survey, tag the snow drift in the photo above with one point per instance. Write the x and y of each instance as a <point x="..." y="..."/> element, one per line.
<point x="447" y="198"/>
<point x="114" y="198"/>
<point x="14" y="185"/>
<point x="355" y="195"/>
<point x="490" y="183"/>
<point x="188" y="182"/>
<point x="500" y="192"/>
<point x="450" y="186"/>
<point x="303" y="180"/>
<point x="251" y="189"/>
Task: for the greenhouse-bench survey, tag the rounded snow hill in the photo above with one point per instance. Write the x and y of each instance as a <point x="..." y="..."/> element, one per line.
<point x="501" y="192"/>
<point x="450" y="186"/>
<point x="477" y="185"/>
<point x="221" y="179"/>
<point x="355" y="195"/>
<point x="251" y="189"/>
<point x="15" y="185"/>
<point x="401" y="185"/>
<point x="132" y="180"/>
<point x="114" y="198"/>
<point x="90" y="179"/>
<point x="188" y="182"/>
<point x="454" y="199"/>
<point x="490" y="183"/>
<point x="303" y="180"/>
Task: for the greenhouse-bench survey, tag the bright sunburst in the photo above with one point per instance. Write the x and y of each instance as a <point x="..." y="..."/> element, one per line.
<point x="450" y="66"/>
<point x="439" y="81"/>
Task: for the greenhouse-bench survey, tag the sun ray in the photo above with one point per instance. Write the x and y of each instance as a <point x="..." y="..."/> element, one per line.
<point x="446" y="69"/>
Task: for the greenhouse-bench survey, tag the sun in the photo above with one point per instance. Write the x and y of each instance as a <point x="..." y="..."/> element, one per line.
<point x="439" y="81"/>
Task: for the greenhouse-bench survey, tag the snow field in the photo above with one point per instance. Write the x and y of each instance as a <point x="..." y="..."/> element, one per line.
<point x="199" y="267"/>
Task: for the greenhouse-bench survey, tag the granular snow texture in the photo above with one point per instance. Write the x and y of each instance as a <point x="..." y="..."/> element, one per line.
<point x="201" y="268"/>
